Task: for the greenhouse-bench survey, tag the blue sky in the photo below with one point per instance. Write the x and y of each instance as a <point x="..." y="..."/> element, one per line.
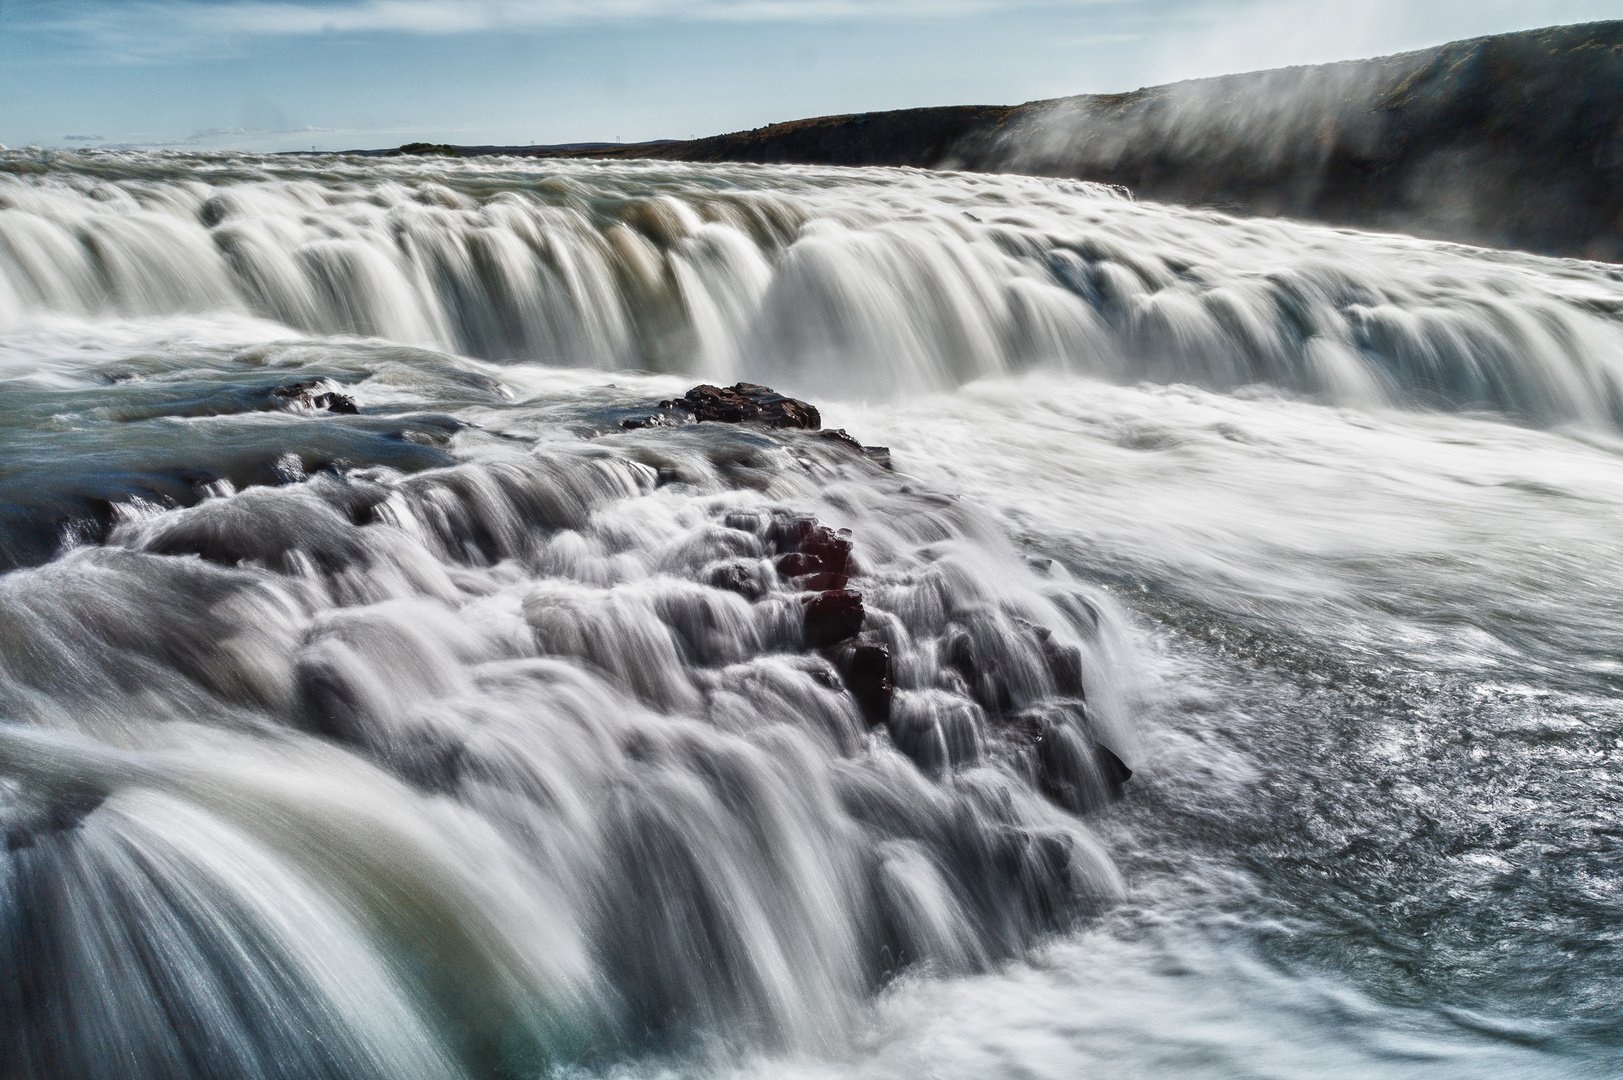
<point x="338" y="74"/>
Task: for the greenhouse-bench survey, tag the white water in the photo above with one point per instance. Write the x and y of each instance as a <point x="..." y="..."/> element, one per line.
<point x="427" y="743"/>
<point x="859" y="283"/>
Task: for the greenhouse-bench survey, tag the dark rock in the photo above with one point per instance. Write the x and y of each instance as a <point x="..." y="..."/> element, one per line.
<point x="1066" y="768"/>
<point x="743" y="402"/>
<point x="982" y="673"/>
<point x="814" y="557"/>
<point x="655" y="420"/>
<point x="1514" y="140"/>
<point x="864" y="668"/>
<point x="59" y="814"/>
<point x="1112" y="768"/>
<point x="1074" y="769"/>
<point x="839" y="435"/>
<point x="737" y="577"/>
<point x="879" y="455"/>
<point x="923" y="742"/>
<point x="423" y="149"/>
<point x="1065" y="666"/>
<point x="306" y="393"/>
<point x="833" y="616"/>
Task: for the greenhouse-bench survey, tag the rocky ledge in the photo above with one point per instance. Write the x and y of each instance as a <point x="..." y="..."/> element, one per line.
<point x="749" y="403"/>
<point x="818" y="560"/>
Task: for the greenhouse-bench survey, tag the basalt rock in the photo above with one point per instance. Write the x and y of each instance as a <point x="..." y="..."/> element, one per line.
<point x="738" y="577"/>
<point x="309" y="395"/>
<point x="1074" y="769"/>
<point x="864" y="669"/>
<point x="1064" y="662"/>
<point x="814" y="557"/>
<point x="1111" y="767"/>
<point x="744" y="402"/>
<point x="833" y="616"/>
<point x="879" y="455"/>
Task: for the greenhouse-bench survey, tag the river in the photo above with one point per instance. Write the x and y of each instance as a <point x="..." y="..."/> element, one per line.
<point x="481" y="729"/>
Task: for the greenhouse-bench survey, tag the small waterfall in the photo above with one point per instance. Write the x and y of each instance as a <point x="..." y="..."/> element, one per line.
<point x="869" y="283"/>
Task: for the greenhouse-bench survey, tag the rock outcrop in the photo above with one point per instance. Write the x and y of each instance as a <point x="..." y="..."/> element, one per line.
<point x="1514" y="140"/>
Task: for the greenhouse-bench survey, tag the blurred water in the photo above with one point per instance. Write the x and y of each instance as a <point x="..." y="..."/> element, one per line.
<point x="476" y="734"/>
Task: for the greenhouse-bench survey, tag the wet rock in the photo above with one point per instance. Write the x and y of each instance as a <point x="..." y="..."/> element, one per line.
<point x="743" y="402"/>
<point x="982" y="671"/>
<point x="833" y="616"/>
<point x="25" y="825"/>
<point x="923" y="742"/>
<point x="737" y="577"/>
<point x="1041" y="863"/>
<point x="1065" y="666"/>
<point x="864" y="669"/>
<point x="1073" y="769"/>
<point x="751" y="403"/>
<point x="309" y="394"/>
<point x="814" y="556"/>
<point x="655" y="420"/>
<point x="330" y="704"/>
<point x="1112" y="768"/>
<point x="879" y="455"/>
<point x="1065" y="768"/>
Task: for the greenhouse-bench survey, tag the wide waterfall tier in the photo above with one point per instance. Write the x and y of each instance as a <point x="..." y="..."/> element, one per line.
<point x="860" y="283"/>
<point x="533" y="751"/>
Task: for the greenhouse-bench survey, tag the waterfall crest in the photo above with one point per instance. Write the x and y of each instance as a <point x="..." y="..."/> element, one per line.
<point x="860" y="283"/>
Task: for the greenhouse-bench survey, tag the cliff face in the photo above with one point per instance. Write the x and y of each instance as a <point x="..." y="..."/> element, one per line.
<point x="1511" y="141"/>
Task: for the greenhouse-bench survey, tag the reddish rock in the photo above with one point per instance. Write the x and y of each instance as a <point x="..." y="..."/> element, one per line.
<point x="833" y="616"/>
<point x="814" y="556"/>
<point x="747" y="402"/>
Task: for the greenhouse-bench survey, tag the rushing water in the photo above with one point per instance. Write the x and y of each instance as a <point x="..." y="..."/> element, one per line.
<point x="477" y="734"/>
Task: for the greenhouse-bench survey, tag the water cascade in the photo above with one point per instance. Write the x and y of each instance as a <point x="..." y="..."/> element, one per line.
<point x="873" y="283"/>
<point x="396" y="680"/>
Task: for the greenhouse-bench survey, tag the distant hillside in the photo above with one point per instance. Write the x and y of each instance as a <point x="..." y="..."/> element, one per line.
<point x="1511" y="141"/>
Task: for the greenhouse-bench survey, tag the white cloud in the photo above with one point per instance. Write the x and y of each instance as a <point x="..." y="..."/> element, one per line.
<point x="280" y="17"/>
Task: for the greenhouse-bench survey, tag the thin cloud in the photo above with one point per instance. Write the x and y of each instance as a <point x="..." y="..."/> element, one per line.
<point x="1086" y="40"/>
<point x="158" y="30"/>
<point x="270" y="17"/>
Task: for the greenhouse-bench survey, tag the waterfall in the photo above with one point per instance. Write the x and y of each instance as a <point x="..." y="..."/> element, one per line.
<point x="395" y="682"/>
<point x="868" y="282"/>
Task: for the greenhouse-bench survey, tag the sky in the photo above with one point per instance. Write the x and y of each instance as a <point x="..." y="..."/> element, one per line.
<point x="348" y="74"/>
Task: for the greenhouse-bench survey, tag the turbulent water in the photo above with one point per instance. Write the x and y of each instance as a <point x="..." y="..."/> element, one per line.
<point x="476" y="733"/>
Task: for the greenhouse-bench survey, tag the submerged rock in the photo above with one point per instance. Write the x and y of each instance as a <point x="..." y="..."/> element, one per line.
<point x="738" y="577"/>
<point x="1112" y="768"/>
<point x="310" y="395"/>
